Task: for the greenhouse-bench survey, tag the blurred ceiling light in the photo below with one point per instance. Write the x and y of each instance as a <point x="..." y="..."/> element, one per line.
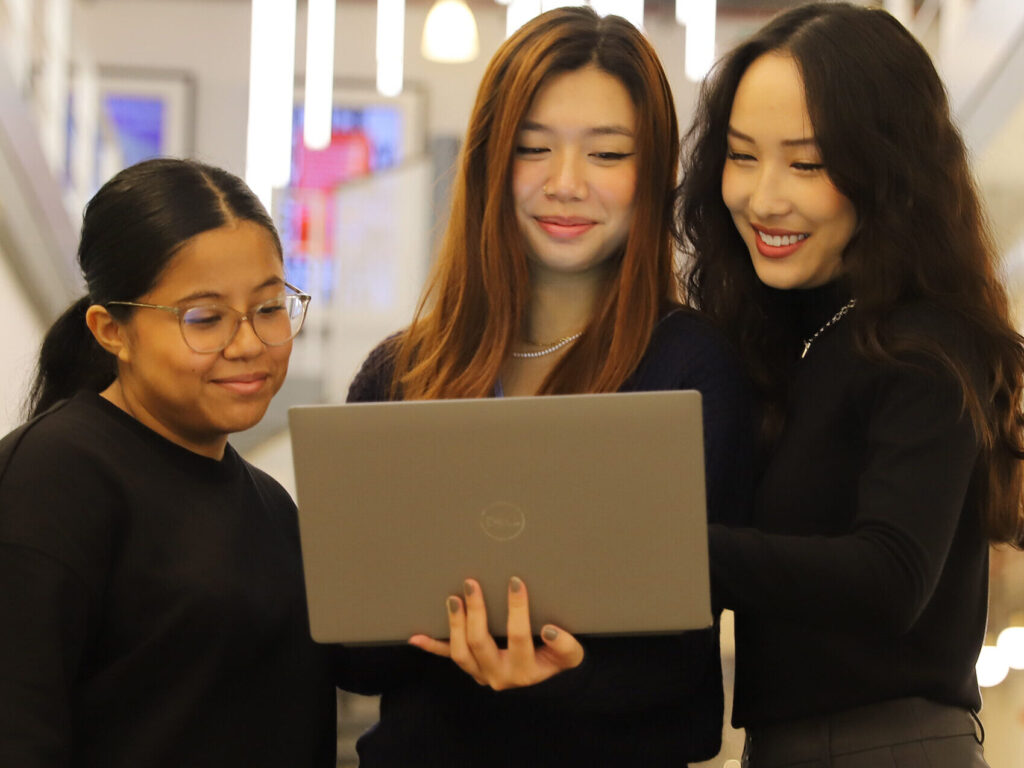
<point x="268" y="151"/>
<point x="631" y="10"/>
<point x="449" y="33"/>
<point x="1011" y="644"/>
<point x="519" y="12"/>
<point x="319" y="91"/>
<point x="548" y="5"/>
<point x="390" y="46"/>
<point x="991" y="667"/>
<point x="699" y="18"/>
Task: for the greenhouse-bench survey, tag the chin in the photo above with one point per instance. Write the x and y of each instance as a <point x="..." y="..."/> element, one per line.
<point x="243" y="416"/>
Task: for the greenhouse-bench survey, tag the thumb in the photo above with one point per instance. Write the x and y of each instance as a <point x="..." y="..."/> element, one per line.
<point x="565" y="648"/>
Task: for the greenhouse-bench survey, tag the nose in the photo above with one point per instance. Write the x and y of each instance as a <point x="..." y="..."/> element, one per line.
<point x="769" y="195"/>
<point x="245" y="343"/>
<point x="568" y="177"/>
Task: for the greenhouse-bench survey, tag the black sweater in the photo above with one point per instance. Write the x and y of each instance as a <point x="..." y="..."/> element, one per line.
<point x="152" y="609"/>
<point x="634" y="701"/>
<point x="866" y="576"/>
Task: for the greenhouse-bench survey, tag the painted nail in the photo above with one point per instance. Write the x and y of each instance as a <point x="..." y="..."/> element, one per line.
<point x="549" y="633"/>
<point x="515" y="584"/>
<point x="453" y="605"/>
<point x="467" y="587"/>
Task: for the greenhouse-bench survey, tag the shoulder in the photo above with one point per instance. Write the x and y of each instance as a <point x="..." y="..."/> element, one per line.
<point x="70" y="432"/>
<point x="933" y="337"/>
<point x="373" y="381"/>
<point x="61" y="483"/>
<point x="927" y="320"/>
<point x="268" y="488"/>
<point x="687" y="350"/>
<point x="686" y="328"/>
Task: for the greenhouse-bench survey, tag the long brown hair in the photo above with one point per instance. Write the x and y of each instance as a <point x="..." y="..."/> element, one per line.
<point x="476" y="300"/>
<point x="882" y="121"/>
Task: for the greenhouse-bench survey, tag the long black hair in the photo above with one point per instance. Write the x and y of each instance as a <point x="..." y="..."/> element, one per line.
<point x="882" y="122"/>
<point x="132" y="228"/>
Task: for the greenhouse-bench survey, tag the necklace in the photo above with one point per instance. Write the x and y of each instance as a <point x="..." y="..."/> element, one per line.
<point x="835" y="319"/>
<point x="549" y="348"/>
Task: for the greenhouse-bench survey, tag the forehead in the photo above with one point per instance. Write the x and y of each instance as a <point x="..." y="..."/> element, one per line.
<point x="584" y="98"/>
<point x="234" y="258"/>
<point x="770" y="100"/>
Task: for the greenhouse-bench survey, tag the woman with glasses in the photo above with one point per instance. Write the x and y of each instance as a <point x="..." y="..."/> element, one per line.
<point x="151" y="592"/>
<point x="556" y="277"/>
<point x="837" y="236"/>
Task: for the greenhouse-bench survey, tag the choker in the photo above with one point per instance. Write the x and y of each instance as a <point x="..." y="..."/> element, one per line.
<point x="549" y="348"/>
<point x="835" y="319"/>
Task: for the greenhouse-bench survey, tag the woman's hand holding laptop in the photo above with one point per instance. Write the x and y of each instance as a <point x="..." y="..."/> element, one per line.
<point x="522" y="662"/>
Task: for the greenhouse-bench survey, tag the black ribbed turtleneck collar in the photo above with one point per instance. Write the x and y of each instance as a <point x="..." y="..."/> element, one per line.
<point x="811" y="308"/>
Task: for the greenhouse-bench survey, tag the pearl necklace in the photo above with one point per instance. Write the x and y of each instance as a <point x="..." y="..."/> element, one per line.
<point x="549" y="348"/>
<point x="835" y="319"/>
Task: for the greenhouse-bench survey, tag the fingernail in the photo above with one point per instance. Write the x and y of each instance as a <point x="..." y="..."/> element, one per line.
<point x="467" y="587"/>
<point x="515" y="584"/>
<point x="549" y="633"/>
<point x="453" y="605"/>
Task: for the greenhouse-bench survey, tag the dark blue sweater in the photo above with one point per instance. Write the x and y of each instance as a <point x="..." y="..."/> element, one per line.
<point x="635" y="700"/>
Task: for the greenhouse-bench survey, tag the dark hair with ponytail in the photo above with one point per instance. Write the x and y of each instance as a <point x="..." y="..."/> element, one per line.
<point x="132" y="228"/>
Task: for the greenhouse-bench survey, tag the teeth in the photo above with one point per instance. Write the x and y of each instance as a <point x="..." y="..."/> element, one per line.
<point x="779" y="240"/>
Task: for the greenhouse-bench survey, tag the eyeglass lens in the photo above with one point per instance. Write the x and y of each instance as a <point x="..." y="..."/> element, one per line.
<point x="211" y="327"/>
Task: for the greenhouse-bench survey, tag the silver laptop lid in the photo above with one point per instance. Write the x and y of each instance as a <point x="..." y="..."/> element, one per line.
<point x="596" y="501"/>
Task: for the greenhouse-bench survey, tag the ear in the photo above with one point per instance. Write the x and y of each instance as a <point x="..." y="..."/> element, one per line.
<point x="108" y="332"/>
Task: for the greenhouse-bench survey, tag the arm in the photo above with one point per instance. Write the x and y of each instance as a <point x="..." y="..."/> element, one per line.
<point x="44" y="610"/>
<point x="48" y="541"/>
<point x="920" y="452"/>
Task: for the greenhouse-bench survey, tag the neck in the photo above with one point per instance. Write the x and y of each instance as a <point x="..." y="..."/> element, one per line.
<point x="117" y="394"/>
<point x="560" y="304"/>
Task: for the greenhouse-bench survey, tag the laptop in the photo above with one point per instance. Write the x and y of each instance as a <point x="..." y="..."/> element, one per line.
<point x="596" y="501"/>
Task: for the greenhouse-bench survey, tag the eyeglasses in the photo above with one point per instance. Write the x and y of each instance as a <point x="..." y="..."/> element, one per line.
<point x="208" y="328"/>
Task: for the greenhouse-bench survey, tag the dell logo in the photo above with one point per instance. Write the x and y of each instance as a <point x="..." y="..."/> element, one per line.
<point x="502" y="521"/>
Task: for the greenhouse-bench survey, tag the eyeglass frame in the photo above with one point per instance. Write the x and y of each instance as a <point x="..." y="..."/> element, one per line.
<point x="302" y="296"/>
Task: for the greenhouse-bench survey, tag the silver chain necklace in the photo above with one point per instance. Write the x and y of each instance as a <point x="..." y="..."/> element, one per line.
<point x="550" y="348"/>
<point x="835" y="319"/>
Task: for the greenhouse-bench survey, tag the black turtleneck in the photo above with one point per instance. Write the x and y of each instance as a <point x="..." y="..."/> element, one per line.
<point x="864" y="577"/>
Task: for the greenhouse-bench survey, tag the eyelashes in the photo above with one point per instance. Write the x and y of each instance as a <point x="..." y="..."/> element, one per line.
<point x="743" y="157"/>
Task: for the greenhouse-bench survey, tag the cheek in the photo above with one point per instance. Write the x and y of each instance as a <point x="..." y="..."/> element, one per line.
<point x="525" y="181"/>
<point x="838" y="212"/>
<point x="626" y="189"/>
<point x="732" y="191"/>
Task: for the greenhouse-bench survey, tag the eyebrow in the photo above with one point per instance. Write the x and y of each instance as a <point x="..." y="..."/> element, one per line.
<point x="786" y="142"/>
<point x="598" y="130"/>
<point x="270" y="281"/>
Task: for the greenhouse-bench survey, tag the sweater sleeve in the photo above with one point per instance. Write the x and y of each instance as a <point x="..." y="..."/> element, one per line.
<point x="373" y="381"/>
<point x="879" y="574"/>
<point x="53" y="541"/>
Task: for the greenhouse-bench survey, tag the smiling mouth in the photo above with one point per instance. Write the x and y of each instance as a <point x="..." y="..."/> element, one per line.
<point x="778" y="246"/>
<point x="780" y="240"/>
<point x="244" y="385"/>
<point x="565" y="227"/>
